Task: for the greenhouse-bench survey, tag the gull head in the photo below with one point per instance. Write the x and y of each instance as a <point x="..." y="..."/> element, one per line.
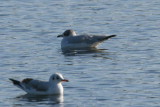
<point x="68" y="33"/>
<point x="57" y="78"/>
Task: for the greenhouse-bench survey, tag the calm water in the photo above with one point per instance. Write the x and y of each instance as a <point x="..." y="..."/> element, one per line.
<point x="122" y="72"/>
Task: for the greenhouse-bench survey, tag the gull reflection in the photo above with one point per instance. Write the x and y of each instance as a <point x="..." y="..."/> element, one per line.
<point x="51" y="99"/>
<point x="73" y="52"/>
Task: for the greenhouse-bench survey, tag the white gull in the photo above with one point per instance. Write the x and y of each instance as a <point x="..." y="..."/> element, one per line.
<point x="37" y="87"/>
<point x="73" y="41"/>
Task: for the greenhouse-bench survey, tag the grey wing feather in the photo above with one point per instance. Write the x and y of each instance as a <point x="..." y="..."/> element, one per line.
<point x="37" y="85"/>
<point x="84" y="39"/>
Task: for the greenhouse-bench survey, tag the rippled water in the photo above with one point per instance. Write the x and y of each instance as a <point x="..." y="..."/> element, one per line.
<point x="123" y="71"/>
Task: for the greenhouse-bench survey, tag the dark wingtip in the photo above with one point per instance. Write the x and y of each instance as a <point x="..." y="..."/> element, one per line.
<point x="112" y="35"/>
<point x="14" y="81"/>
<point x="11" y="79"/>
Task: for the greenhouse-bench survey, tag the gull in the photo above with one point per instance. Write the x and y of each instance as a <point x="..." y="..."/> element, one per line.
<point x="37" y="87"/>
<point x="73" y="41"/>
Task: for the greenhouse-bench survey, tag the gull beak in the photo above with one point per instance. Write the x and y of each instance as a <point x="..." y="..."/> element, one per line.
<point x="59" y="36"/>
<point x="65" y="80"/>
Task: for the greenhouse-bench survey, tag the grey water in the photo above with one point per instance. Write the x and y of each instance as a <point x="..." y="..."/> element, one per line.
<point x="122" y="72"/>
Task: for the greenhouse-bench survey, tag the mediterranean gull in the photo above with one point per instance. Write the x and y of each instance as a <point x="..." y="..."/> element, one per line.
<point x="73" y="41"/>
<point x="37" y="87"/>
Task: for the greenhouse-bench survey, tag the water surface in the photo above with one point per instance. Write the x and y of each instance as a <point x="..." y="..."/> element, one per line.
<point x="123" y="71"/>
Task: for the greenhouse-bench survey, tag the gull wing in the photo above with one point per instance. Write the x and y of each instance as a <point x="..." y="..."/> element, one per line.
<point x="37" y="85"/>
<point x="89" y="39"/>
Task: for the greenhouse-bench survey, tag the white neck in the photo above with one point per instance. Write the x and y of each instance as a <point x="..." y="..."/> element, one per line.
<point x="56" y="89"/>
<point x="73" y="33"/>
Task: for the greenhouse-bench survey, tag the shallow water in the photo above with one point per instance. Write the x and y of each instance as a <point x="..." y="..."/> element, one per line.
<point x="123" y="71"/>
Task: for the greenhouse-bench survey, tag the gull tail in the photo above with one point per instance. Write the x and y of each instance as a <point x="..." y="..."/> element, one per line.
<point x="109" y="37"/>
<point x="16" y="83"/>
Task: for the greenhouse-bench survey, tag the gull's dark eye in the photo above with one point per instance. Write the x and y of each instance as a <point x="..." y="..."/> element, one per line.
<point x="57" y="78"/>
